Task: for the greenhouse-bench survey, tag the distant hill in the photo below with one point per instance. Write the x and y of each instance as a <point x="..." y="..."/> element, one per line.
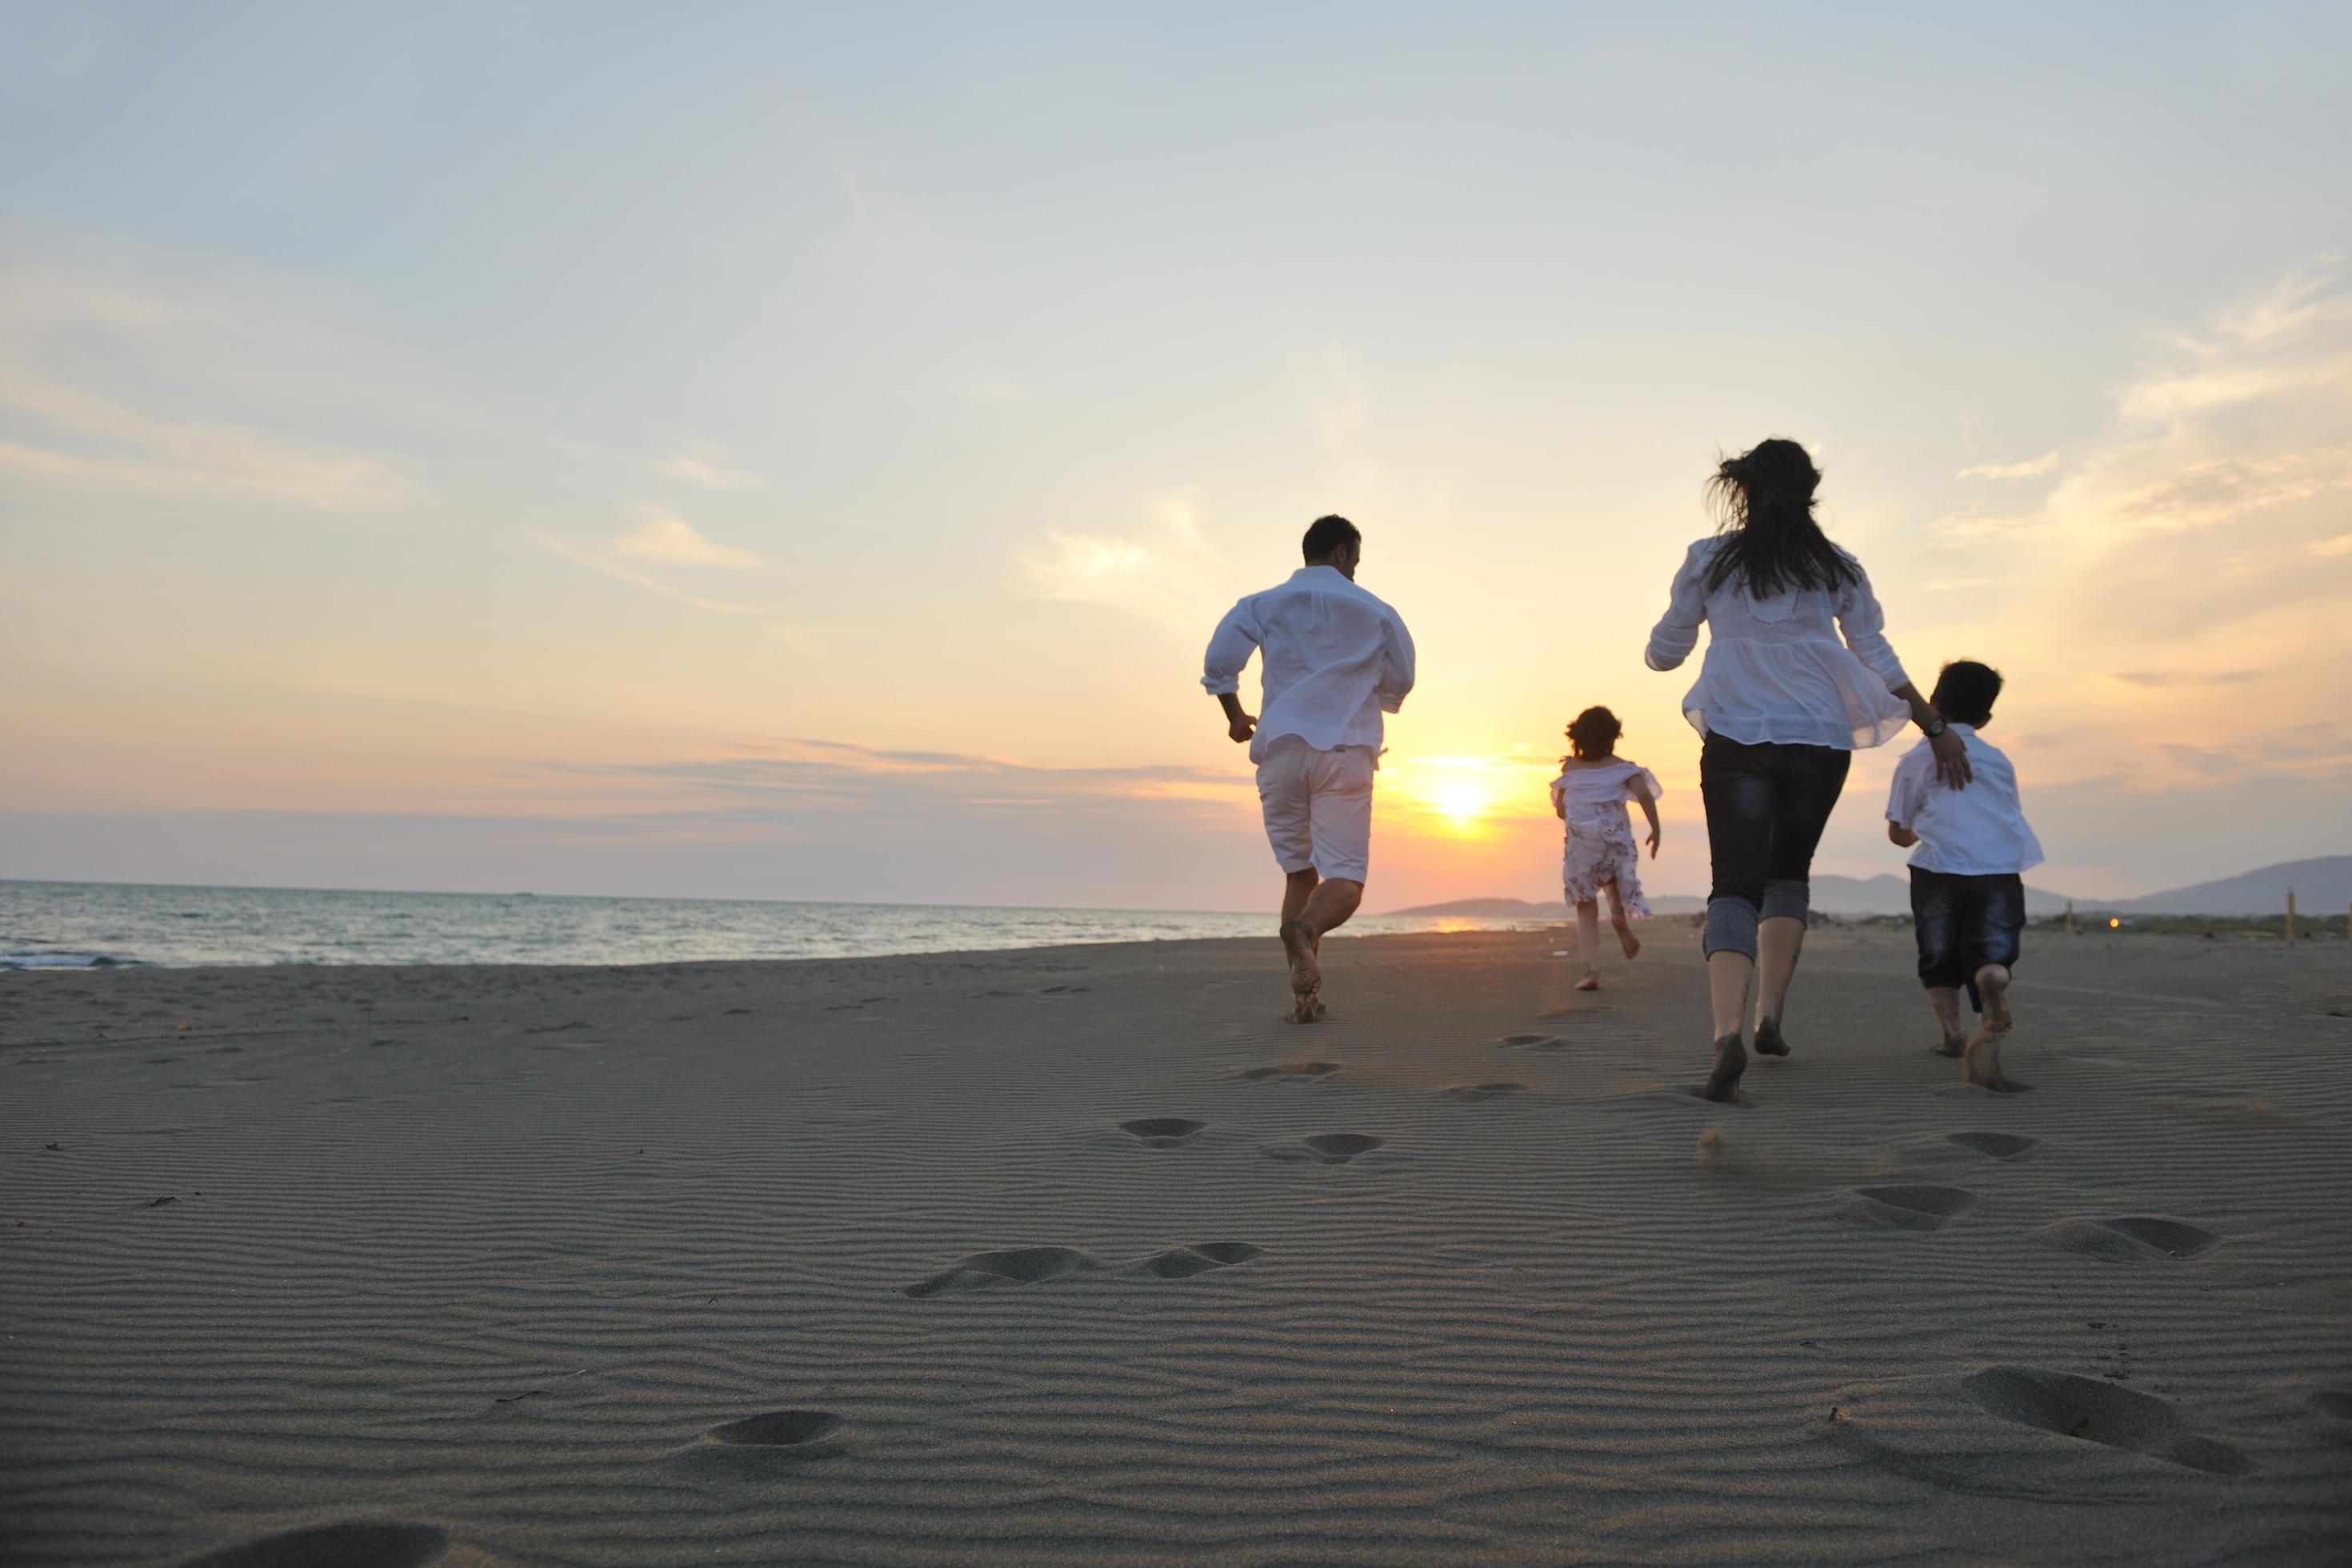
<point x="2322" y="886"/>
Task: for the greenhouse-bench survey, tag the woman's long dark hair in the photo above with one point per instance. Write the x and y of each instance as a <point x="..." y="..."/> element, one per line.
<point x="1770" y="542"/>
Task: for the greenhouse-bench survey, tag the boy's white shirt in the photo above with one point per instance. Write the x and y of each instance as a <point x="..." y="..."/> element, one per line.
<point x="1980" y="831"/>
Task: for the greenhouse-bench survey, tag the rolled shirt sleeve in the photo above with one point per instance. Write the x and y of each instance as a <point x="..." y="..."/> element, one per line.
<point x="1236" y="637"/>
<point x="1676" y="633"/>
<point x="1395" y="682"/>
<point x="1903" y="794"/>
<point x="1864" y="626"/>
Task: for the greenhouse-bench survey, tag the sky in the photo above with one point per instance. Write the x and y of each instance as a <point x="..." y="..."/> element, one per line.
<point x="801" y="452"/>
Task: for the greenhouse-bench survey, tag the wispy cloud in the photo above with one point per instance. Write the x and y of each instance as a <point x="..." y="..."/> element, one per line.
<point x="663" y="537"/>
<point x="609" y="558"/>
<point x="2034" y="468"/>
<point x="2330" y="549"/>
<point x="98" y="443"/>
<point x="2164" y="677"/>
<point x="703" y="466"/>
<point x="1165" y="571"/>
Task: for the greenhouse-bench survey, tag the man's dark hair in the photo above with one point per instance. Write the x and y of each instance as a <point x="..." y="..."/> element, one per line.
<point x="1328" y="534"/>
<point x="1966" y="692"/>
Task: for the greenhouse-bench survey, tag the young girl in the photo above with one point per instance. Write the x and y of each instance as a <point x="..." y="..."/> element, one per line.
<point x="1589" y="796"/>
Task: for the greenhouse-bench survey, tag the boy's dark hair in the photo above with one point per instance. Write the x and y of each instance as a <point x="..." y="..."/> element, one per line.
<point x="1966" y="692"/>
<point x="1326" y="535"/>
<point x="1593" y="733"/>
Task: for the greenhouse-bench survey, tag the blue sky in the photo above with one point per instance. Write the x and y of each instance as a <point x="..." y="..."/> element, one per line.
<point x="602" y="449"/>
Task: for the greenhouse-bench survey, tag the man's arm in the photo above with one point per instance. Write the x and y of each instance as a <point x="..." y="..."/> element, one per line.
<point x="1395" y="683"/>
<point x="1236" y="637"/>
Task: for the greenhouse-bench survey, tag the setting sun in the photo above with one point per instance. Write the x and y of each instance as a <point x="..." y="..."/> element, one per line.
<point x="1462" y="802"/>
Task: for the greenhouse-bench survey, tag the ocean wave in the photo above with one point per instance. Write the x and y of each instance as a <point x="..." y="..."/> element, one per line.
<point x="54" y="959"/>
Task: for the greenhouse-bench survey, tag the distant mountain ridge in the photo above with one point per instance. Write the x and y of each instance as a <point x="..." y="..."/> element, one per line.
<point x="2322" y="886"/>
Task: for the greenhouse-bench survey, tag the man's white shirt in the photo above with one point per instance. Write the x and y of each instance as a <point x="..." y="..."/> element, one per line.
<point x="1335" y="659"/>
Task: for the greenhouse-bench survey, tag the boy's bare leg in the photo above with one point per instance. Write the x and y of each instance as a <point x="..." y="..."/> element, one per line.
<point x="1623" y="925"/>
<point x="1945" y="1001"/>
<point x="1325" y="907"/>
<point x="1981" y="1057"/>
<point x="1588" y="943"/>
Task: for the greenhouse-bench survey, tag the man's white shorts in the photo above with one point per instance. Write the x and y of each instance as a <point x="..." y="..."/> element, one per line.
<point x="1318" y="806"/>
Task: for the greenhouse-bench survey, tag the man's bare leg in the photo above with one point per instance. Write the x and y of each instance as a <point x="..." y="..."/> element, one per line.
<point x="1588" y="943"/>
<point x="1326" y="907"/>
<point x="1779" y="941"/>
<point x="1982" y="1054"/>
<point x="1297" y="888"/>
<point x="1623" y="925"/>
<point x="1945" y="1001"/>
<point x="1727" y="975"/>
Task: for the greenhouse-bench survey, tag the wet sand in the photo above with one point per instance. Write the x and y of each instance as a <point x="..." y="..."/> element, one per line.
<point x="1084" y="1256"/>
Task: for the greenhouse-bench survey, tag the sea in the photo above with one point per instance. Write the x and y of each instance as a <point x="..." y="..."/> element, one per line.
<point x="98" y="925"/>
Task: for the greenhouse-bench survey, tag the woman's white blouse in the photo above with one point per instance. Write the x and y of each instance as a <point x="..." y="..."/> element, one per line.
<point x="1809" y="667"/>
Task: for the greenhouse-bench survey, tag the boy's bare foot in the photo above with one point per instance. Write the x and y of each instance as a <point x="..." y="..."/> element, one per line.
<point x="1591" y="981"/>
<point x="1769" y="1042"/>
<point x="1952" y="1047"/>
<point x="1730" y="1061"/>
<point x="1305" y="974"/>
<point x="1980" y="1057"/>
<point x="1992" y="986"/>
<point x="1625" y="937"/>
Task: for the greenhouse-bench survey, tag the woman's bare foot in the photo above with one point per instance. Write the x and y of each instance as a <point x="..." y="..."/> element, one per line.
<point x="1306" y="973"/>
<point x="1730" y="1061"/>
<point x="1625" y="937"/>
<point x="1769" y="1042"/>
<point x="1980" y="1058"/>
<point x="1591" y="981"/>
<point x="1952" y="1047"/>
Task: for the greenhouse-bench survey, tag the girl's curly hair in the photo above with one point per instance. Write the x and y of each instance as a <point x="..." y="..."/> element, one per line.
<point x="1593" y="733"/>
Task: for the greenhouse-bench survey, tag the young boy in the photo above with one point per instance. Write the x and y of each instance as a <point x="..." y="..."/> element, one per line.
<point x="1968" y="896"/>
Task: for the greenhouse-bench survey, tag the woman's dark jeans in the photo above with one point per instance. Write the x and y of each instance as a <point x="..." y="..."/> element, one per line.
<point x="1766" y="806"/>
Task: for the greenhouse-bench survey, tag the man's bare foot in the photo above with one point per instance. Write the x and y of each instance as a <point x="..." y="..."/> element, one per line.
<point x="1730" y="1061"/>
<point x="1625" y="937"/>
<point x="1952" y="1047"/>
<point x="1308" y="1008"/>
<point x="1981" y="1057"/>
<point x="1769" y="1042"/>
<point x="1591" y="981"/>
<point x="1298" y="946"/>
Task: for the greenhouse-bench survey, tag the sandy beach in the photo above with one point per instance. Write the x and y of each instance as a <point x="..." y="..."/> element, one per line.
<point x="1081" y="1255"/>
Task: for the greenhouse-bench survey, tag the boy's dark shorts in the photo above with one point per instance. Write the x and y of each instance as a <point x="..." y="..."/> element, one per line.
<point x="1964" y="923"/>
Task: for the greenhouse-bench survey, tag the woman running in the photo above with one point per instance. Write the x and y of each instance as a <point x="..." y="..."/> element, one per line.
<point x="1798" y="676"/>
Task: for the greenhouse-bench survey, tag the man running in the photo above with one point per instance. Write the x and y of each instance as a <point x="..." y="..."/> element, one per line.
<point x="1336" y="659"/>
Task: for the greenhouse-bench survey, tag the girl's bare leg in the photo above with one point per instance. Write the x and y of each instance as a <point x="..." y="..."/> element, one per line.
<point x="1624" y="926"/>
<point x="1588" y="943"/>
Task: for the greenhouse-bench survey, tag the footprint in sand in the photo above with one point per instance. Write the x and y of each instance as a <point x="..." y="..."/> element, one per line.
<point x="2097" y="1411"/>
<point x="1326" y="1148"/>
<point x="1037" y="1265"/>
<point x="2129" y="1238"/>
<point x="1292" y="1069"/>
<point x="805" y="1431"/>
<point x="1994" y="1145"/>
<point x="1183" y="1262"/>
<point x="1977" y="1091"/>
<point x="1533" y="1042"/>
<point x="1908" y="1207"/>
<point x="2335" y="1401"/>
<point x="1162" y="1132"/>
<point x="1065" y="990"/>
<point x="1474" y="1092"/>
<point x="335" y="1546"/>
